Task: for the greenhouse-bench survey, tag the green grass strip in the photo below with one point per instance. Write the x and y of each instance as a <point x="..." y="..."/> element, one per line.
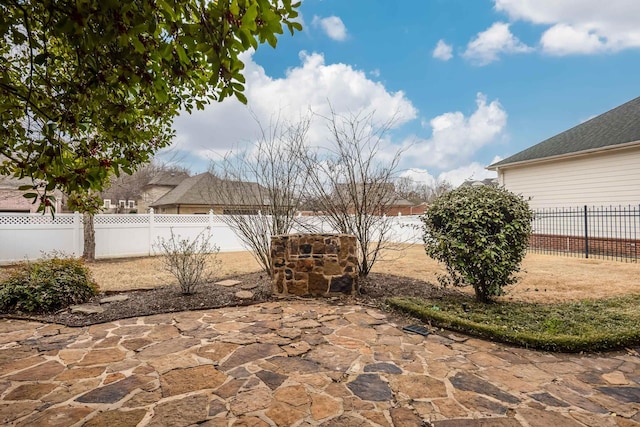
<point x="584" y="326"/>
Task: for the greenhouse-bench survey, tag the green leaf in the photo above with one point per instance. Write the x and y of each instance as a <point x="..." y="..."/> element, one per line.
<point x="241" y="97"/>
<point x="182" y="54"/>
<point x="167" y="9"/>
<point x="40" y="59"/>
<point x="272" y="40"/>
<point x="137" y="45"/>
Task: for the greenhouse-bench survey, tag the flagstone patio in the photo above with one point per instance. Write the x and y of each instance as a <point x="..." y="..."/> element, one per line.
<point x="306" y="363"/>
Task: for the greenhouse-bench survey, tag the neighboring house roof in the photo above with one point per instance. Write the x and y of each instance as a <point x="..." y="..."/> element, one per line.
<point x="618" y="126"/>
<point x="11" y="196"/>
<point x="476" y="183"/>
<point x="199" y="190"/>
<point x="168" y="179"/>
<point x="389" y="195"/>
<point x="12" y="183"/>
<point x="399" y="201"/>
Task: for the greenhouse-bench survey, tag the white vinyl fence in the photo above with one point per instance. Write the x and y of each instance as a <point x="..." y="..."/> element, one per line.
<point x="29" y="236"/>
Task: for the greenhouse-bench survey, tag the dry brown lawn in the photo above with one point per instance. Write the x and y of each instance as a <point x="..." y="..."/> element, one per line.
<point x="147" y="272"/>
<point x="546" y="278"/>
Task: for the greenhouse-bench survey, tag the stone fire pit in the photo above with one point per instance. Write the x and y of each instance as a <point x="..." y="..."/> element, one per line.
<point x="314" y="264"/>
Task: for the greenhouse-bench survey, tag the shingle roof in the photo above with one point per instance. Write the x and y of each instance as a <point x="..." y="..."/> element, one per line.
<point x="10" y="182"/>
<point x="389" y="195"/>
<point x="168" y="178"/>
<point x="199" y="190"/>
<point x="475" y="183"/>
<point x="617" y="126"/>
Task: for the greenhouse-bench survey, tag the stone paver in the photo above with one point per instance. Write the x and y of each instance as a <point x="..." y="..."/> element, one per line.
<point x="227" y="282"/>
<point x="299" y="363"/>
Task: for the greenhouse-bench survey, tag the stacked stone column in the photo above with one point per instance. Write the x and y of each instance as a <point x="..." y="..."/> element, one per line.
<point x="314" y="264"/>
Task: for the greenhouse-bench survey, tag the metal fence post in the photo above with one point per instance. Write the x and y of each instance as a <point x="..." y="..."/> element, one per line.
<point x="586" y="233"/>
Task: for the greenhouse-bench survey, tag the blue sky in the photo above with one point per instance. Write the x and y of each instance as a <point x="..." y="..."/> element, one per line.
<point x="470" y="81"/>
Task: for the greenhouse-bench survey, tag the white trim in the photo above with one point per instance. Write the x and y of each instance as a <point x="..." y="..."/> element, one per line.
<point x="624" y="146"/>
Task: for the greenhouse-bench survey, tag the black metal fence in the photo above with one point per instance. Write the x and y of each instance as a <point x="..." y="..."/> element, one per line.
<point x="608" y="232"/>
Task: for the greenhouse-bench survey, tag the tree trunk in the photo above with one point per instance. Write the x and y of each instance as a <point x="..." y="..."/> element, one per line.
<point x="89" y="252"/>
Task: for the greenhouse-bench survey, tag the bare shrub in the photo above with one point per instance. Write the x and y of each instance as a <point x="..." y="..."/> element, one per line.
<point x="262" y="186"/>
<point x="191" y="262"/>
<point x="351" y="182"/>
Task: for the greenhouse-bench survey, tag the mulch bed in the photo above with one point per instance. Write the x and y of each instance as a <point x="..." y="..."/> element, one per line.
<point x="167" y="299"/>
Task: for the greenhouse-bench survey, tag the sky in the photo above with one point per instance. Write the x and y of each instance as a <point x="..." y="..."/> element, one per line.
<point x="466" y="82"/>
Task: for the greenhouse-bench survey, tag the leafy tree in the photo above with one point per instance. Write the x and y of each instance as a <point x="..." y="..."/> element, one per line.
<point x="127" y="187"/>
<point x="89" y="88"/>
<point x="481" y="235"/>
<point x="88" y="204"/>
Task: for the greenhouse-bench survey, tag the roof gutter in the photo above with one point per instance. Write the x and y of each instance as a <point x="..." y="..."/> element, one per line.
<point x="565" y="156"/>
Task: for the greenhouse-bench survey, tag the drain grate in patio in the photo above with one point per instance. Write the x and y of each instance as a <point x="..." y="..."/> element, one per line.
<point x="416" y="329"/>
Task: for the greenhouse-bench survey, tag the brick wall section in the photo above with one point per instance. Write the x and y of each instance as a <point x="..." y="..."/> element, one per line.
<point x="610" y="247"/>
<point x="314" y="264"/>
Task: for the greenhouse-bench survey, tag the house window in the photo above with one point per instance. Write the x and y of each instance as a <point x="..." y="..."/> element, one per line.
<point x="106" y="203"/>
<point x="131" y="204"/>
<point x="122" y="203"/>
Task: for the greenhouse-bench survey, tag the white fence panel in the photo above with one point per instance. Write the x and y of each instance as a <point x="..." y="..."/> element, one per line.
<point x="402" y="229"/>
<point x="225" y="238"/>
<point x="28" y="236"/>
<point x="190" y="226"/>
<point x="122" y="235"/>
<point x="407" y="229"/>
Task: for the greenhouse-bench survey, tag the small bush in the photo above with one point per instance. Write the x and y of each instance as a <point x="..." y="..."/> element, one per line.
<point x="481" y="235"/>
<point x="47" y="285"/>
<point x="188" y="260"/>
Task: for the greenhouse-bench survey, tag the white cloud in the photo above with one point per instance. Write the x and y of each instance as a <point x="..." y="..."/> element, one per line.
<point x="443" y="51"/>
<point x="332" y="26"/>
<point x="579" y="26"/>
<point x="564" y="39"/>
<point x="496" y="159"/>
<point x="419" y="175"/>
<point x="456" y="138"/>
<point x="487" y="46"/>
<point x="311" y="85"/>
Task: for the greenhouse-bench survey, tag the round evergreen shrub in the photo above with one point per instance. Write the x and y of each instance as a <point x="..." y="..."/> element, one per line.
<point x="481" y="235"/>
<point x="47" y="285"/>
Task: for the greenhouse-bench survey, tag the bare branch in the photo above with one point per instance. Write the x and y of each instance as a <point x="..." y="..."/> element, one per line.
<point x="262" y="187"/>
<point x="352" y="182"/>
